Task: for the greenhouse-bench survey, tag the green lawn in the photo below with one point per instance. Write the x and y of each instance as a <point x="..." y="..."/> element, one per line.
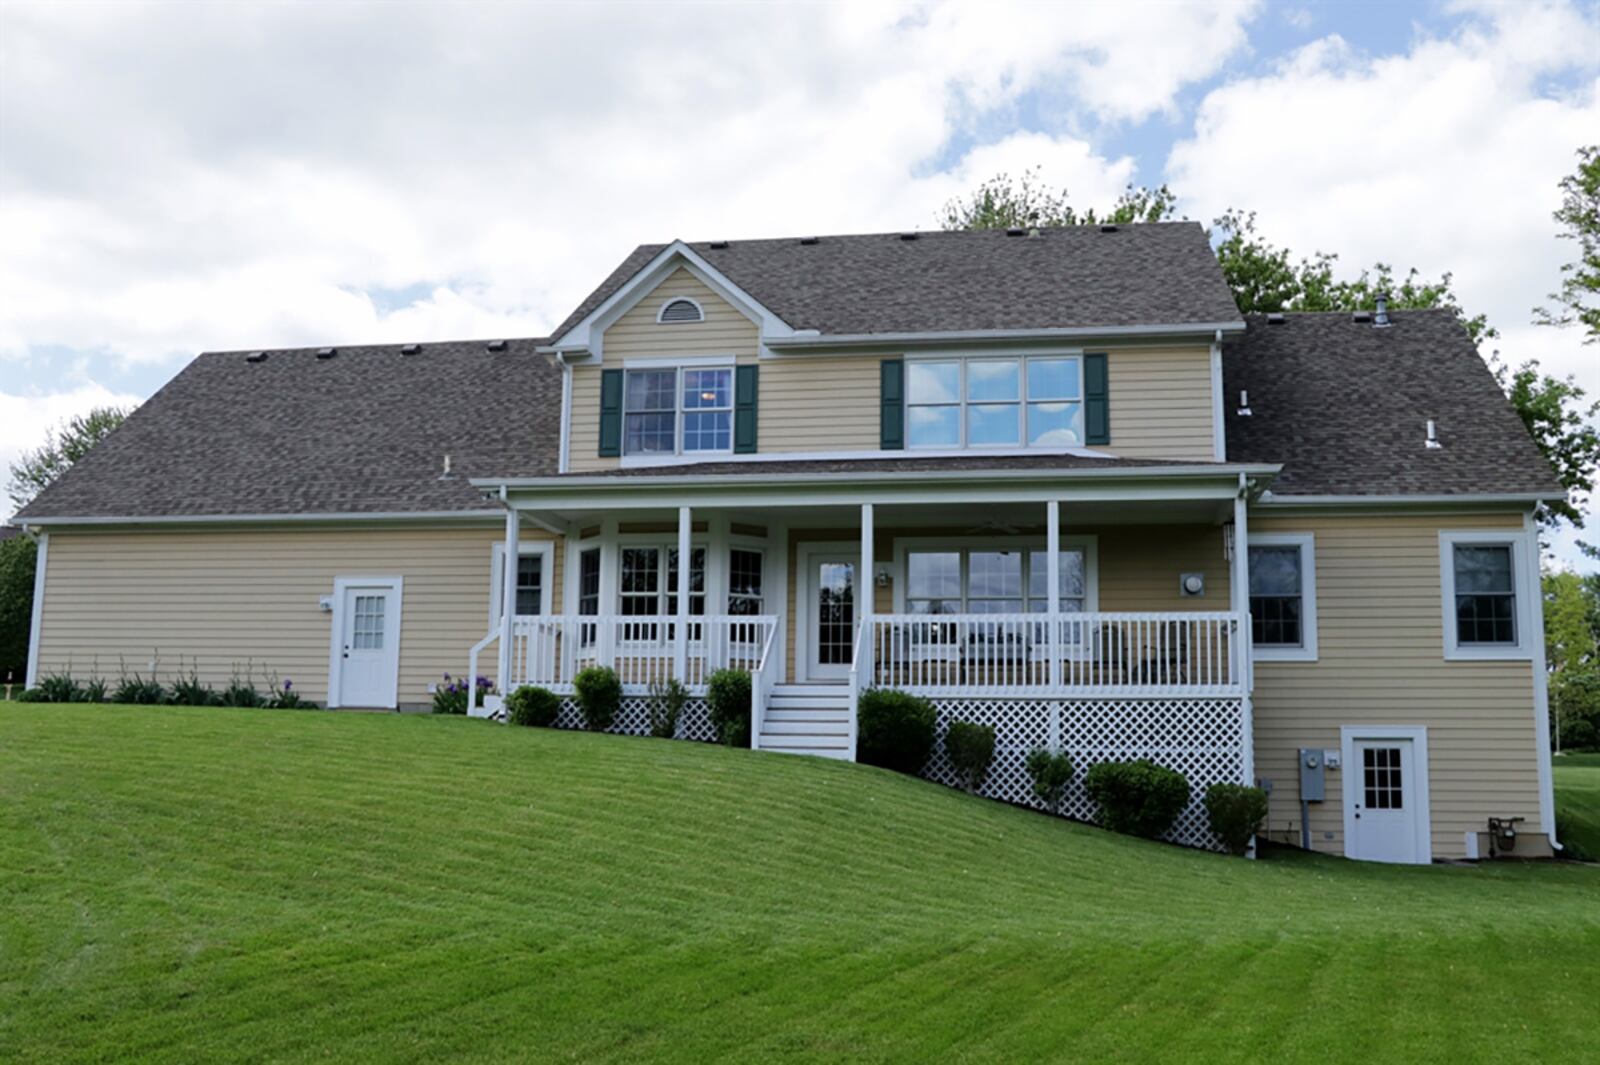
<point x="189" y="885"/>
<point x="1577" y="779"/>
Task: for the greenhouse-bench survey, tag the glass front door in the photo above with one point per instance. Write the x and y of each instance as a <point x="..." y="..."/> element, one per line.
<point x="831" y="616"/>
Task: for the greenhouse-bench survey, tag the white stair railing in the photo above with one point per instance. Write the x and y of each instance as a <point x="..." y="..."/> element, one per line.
<point x="761" y="682"/>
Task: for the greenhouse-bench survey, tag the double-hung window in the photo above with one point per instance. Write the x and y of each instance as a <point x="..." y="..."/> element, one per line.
<point x="1026" y="401"/>
<point x="647" y="588"/>
<point x="678" y="410"/>
<point x="744" y="583"/>
<point x="1483" y="593"/>
<point x="532" y="576"/>
<point x="1283" y="596"/>
<point x="986" y="581"/>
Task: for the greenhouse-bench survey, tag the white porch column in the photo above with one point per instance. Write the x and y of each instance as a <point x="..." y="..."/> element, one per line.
<point x="1239" y="593"/>
<point x="508" y="604"/>
<point x="1052" y="542"/>
<point x="866" y="586"/>
<point x="680" y="652"/>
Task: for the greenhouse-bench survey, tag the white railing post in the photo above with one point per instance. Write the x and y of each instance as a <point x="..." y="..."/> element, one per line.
<point x="1053" y="646"/>
<point x="1240" y="588"/>
<point x="680" y="651"/>
<point x="510" y="559"/>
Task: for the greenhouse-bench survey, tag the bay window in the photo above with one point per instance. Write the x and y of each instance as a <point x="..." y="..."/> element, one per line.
<point x="1026" y="401"/>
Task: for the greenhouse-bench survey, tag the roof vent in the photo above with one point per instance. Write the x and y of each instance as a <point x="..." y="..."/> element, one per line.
<point x="908" y="236"/>
<point x="1361" y="316"/>
<point x="496" y="345"/>
<point x="1108" y="227"/>
<point x="1244" y="410"/>
<point x="1274" y="317"/>
<point x="719" y="244"/>
<point x="1015" y="231"/>
<point x="327" y="353"/>
<point x="680" y="310"/>
<point x="808" y="240"/>
<point x="1432" y="443"/>
<point x="447" y="475"/>
<point x="410" y="349"/>
<point x="256" y="356"/>
<point x="1381" y="319"/>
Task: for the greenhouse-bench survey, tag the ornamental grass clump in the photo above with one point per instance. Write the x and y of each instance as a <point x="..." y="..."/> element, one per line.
<point x="533" y="707"/>
<point x="1050" y="774"/>
<point x="666" y="704"/>
<point x="1236" y="812"/>
<point x="599" y="696"/>
<point x="1137" y="798"/>
<point x="894" y="730"/>
<point x="728" y="704"/>
<point x="970" y="748"/>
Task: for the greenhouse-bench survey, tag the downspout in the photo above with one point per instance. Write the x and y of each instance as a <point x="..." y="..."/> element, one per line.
<point x="1219" y="427"/>
<point x="564" y="462"/>
<point x="36" y="622"/>
<point x="1541" y="681"/>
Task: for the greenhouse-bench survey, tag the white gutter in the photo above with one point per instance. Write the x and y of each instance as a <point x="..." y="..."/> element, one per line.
<point x="219" y="519"/>
<point x="36" y="624"/>
<point x="1219" y="425"/>
<point x="801" y="340"/>
<point x="1272" y="499"/>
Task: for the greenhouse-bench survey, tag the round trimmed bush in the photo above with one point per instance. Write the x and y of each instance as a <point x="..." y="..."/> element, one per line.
<point x="970" y="748"/>
<point x="1137" y="798"/>
<point x="599" y="696"/>
<point x="1236" y="812"/>
<point x="728" y="704"/>
<point x="1050" y="773"/>
<point x="894" y="730"/>
<point x="534" y="707"/>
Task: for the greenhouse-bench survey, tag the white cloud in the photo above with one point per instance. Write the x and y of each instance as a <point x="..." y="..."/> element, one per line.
<point x="25" y="422"/>
<point x="187" y="177"/>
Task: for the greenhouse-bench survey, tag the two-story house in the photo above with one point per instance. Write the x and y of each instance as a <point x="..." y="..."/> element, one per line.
<point x="1051" y="479"/>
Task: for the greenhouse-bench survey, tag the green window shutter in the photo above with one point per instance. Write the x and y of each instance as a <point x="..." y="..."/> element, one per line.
<point x="1096" y="400"/>
<point x="610" y="413"/>
<point x="892" y="397"/>
<point x="744" y="409"/>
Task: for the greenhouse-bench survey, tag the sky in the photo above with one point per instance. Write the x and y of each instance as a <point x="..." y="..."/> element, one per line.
<point x="182" y="177"/>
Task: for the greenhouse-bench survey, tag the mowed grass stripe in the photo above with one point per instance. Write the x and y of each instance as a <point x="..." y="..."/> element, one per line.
<point x="205" y="883"/>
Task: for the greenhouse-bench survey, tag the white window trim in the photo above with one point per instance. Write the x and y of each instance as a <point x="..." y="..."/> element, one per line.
<point x="677" y="365"/>
<point x="961" y="404"/>
<point x="1517" y="541"/>
<point x="1351" y="780"/>
<point x="1089" y="543"/>
<point x="670" y="300"/>
<point x="1307" y="543"/>
<point x="664" y="542"/>
<point x="545" y="550"/>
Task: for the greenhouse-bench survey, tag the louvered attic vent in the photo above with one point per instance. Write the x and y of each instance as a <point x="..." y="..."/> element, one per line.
<point x="680" y="311"/>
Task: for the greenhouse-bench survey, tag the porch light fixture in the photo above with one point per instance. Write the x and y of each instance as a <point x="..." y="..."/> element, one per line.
<point x="1192" y="584"/>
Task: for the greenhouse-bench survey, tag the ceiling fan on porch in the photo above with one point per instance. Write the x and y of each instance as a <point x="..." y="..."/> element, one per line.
<point x="995" y="525"/>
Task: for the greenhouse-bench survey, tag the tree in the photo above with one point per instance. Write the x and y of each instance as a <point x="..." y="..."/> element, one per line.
<point x="1578" y="299"/>
<point x="18" y="556"/>
<point x="66" y="445"/>
<point x="1004" y="202"/>
<point x="1572" y="655"/>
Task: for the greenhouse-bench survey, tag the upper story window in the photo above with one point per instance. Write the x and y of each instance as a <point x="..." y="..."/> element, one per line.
<point x="1032" y="401"/>
<point x="1485" y="597"/>
<point x="681" y="309"/>
<point x="678" y="410"/>
<point x="1283" y="596"/>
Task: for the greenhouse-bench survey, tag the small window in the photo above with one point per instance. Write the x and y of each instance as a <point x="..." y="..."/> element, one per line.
<point x="1283" y="596"/>
<point x="530" y="585"/>
<point x="744" y="583"/>
<point x="589" y="582"/>
<point x="680" y="310"/>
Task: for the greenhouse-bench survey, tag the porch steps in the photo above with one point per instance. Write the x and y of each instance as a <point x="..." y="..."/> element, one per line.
<point x="808" y="719"/>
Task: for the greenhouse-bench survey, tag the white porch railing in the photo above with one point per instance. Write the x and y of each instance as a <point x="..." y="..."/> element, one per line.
<point x="550" y="651"/>
<point x="1154" y="654"/>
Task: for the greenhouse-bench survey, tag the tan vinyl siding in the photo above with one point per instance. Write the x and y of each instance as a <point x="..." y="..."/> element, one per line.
<point x="819" y="404"/>
<point x="1161" y="405"/>
<point x="637" y="335"/>
<point x="1381" y="661"/>
<point x="225" y="599"/>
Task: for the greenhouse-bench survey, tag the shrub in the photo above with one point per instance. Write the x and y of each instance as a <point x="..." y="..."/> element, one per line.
<point x="1050" y="773"/>
<point x="970" y="749"/>
<point x="59" y="688"/>
<point x="666" y="707"/>
<point x="451" y="696"/>
<point x="894" y="730"/>
<point x="1138" y="798"/>
<point x="1578" y="735"/>
<point x="599" y="696"/>
<point x="536" y="707"/>
<point x="138" y="691"/>
<point x="728" y="704"/>
<point x="1236" y="812"/>
<point x="188" y="691"/>
<point x="31" y="695"/>
<point x="240" y="693"/>
<point x="286" y="698"/>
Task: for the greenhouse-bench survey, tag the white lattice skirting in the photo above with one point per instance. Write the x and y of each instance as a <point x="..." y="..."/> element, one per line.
<point x="1200" y="738"/>
<point x="633" y="719"/>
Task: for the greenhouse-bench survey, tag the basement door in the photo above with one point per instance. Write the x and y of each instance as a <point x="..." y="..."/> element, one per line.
<point x="1386" y="797"/>
<point x="366" y="649"/>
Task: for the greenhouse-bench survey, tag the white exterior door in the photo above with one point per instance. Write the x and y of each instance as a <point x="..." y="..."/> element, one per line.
<point x="367" y="644"/>
<point x="1385" y="798"/>
<point x="830" y="617"/>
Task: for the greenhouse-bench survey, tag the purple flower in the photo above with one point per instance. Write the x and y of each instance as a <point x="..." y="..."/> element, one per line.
<point x="447" y="676"/>
<point x="287" y="684"/>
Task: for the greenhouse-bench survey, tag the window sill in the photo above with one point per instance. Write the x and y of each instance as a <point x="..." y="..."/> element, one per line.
<point x="1505" y="653"/>
<point x="1283" y="654"/>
